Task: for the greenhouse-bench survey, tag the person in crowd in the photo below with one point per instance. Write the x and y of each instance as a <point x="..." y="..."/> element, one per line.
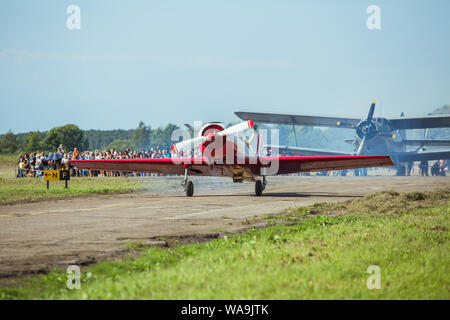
<point x="65" y="162"/>
<point x="38" y="167"/>
<point x="21" y="165"/>
<point x="435" y="169"/>
<point x="75" y="153"/>
<point x="442" y="167"/>
<point x="409" y="168"/>
<point x="423" y="168"/>
<point x="60" y="150"/>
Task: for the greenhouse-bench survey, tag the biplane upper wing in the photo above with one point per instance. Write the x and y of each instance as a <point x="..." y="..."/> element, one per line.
<point x="301" y="120"/>
<point x="437" y="121"/>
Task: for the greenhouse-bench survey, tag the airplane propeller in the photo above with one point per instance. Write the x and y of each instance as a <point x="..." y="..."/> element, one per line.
<point x="236" y="128"/>
<point x="366" y="129"/>
<point x="190" y="129"/>
<point x="190" y="143"/>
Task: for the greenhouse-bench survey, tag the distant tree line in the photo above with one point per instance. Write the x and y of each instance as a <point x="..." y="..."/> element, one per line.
<point x="71" y="136"/>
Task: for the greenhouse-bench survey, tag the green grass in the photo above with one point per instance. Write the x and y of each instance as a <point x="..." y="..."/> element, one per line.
<point x="15" y="190"/>
<point x="8" y="159"/>
<point x="304" y="255"/>
<point x="135" y="245"/>
<point x="7" y="166"/>
<point x="19" y="190"/>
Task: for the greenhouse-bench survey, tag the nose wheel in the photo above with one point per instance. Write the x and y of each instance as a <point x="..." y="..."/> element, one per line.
<point x="260" y="186"/>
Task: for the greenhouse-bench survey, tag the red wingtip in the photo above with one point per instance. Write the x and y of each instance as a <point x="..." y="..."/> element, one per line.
<point x="250" y="123"/>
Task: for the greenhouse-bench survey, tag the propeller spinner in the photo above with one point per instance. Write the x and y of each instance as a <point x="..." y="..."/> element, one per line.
<point x="366" y="129"/>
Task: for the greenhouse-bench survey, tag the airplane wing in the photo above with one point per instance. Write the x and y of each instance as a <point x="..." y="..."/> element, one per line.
<point x="197" y="166"/>
<point x="420" y="122"/>
<point x="419" y="156"/>
<point x="202" y="166"/>
<point x="301" y="120"/>
<point x="300" y="151"/>
<point x="296" y="164"/>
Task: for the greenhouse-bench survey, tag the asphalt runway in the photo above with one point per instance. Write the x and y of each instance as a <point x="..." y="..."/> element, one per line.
<point x="35" y="237"/>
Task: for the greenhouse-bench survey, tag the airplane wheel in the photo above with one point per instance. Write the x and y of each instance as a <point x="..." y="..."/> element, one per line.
<point x="258" y="188"/>
<point x="189" y="188"/>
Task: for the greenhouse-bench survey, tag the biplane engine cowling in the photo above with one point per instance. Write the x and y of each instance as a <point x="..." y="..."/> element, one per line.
<point x="212" y="127"/>
<point x="366" y="129"/>
<point x="210" y="130"/>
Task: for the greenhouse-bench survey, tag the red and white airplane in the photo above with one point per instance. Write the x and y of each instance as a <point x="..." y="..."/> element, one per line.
<point x="224" y="155"/>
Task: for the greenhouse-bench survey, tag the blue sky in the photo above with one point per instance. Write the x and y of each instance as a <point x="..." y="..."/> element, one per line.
<point x="180" y="61"/>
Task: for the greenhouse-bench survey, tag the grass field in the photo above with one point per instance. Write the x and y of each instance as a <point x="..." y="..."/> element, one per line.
<point x="13" y="190"/>
<point x="318" y="252"/>
<point x="7" y="160"/>
<point x="7" y="166"/>
<point x="20" y="190"/>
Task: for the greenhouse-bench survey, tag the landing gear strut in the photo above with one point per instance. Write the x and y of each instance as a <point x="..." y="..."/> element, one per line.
<point x="187" y="184"/>
<point x="260" y="186"/>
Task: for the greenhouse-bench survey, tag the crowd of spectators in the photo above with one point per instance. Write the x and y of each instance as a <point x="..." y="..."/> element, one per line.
<point x="34" y="164"/>
<point x="439" y="168"/>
